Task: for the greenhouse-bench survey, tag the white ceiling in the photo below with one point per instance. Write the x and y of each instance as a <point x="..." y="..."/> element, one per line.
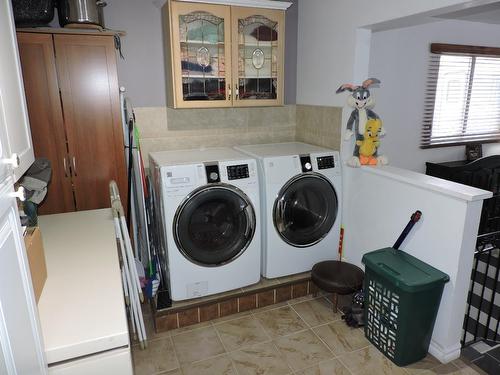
<point x="489" y="13"/>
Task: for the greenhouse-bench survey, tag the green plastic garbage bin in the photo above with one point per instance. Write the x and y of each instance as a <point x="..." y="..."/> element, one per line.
<point x="402" y="296"/>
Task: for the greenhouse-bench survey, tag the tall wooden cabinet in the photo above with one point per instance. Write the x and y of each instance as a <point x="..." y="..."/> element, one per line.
<point x="72" y="94"/>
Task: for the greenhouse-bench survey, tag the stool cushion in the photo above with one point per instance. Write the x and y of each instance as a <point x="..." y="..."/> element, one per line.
<point x="337" y="277"/>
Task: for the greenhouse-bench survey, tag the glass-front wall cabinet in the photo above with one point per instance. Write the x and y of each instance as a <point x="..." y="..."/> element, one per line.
<point x="201" y="55"/>
<point x="222" y="55"/>
<point x="257" y="56"/>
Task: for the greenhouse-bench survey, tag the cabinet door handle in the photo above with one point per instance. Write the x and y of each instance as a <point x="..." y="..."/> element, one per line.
<point x="14" y="161"/>
<point x="20" y="194"/>
<point x="229" y="92"/>
<point x="74" y="166"/>
<point x="65" y="167"/>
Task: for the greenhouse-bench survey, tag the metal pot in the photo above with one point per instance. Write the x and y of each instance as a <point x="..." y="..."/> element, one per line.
<point x="80" y="11"/>
<point x="100" y="11"/>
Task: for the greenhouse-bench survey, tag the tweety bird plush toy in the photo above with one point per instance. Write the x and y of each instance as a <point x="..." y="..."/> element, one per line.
<point x="368" y="146"/>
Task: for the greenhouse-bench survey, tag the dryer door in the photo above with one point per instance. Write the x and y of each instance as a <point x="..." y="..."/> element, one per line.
<point x="305" y="210"/>
<point x="214" y="225"/>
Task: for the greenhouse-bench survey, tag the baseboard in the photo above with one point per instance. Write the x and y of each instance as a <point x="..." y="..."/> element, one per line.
<point x="444" y="355"/>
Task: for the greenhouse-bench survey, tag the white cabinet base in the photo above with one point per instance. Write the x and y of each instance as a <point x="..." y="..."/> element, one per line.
<point x="118" y="361"/>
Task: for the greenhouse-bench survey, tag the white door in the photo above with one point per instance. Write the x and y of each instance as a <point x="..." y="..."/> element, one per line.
<point x="19" y="326"/>
<point x="21" y="349"/>
<point x="15" y="115"/>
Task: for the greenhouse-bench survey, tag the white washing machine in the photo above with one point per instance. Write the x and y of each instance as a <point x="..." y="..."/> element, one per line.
<point x="300" y="205"/>
<point x="209" y="211"/>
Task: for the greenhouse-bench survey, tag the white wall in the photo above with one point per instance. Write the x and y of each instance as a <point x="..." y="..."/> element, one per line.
<point x="380" y="205"/>
<point x="399" y="58"/>
<point x="328" y="35"/>
<point x="143" y="73"/>
<point x="334" y="48"/>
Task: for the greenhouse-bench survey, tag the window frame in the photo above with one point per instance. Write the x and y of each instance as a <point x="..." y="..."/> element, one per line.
<point x="463" y="50"/>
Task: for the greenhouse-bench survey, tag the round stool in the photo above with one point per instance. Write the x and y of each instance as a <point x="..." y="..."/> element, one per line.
<point x="339" y="278"/>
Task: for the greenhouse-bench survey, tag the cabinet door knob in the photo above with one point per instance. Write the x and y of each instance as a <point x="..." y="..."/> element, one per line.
<point x="20" y="194"/>
<point x="14" y="161"/>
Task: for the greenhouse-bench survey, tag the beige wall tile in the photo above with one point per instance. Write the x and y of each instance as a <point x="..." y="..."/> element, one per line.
<point x="211" y="118"/>
<point x="286" y="134"/>
<point x="319" y="125"/>
<point x="271" y="116"/>
<point x="257" y="137"/>
<point x="152" y="121"/>
<point x="177" y="129"/>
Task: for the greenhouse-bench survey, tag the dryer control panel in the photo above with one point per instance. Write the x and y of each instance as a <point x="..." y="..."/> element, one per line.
<point x="236" y="172"/>
<point x="326" y="162"/>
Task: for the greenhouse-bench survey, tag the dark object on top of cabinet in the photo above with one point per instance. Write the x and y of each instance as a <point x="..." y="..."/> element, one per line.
<point x="75" y="75"/>
<point x="33" y="13"/>
<point x="473" y="151"/>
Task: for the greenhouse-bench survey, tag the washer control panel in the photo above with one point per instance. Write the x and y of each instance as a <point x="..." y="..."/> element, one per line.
<point x="326" y="162"/>
<point x="237" y="172"/>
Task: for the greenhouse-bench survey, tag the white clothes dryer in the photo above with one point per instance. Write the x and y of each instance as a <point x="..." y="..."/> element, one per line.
<point x="301" y="195"/>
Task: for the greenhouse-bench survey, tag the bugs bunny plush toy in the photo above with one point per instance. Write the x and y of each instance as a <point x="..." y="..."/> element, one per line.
<point x="362" y="102"/>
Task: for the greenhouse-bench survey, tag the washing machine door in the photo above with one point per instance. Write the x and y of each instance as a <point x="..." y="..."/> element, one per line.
<point x="305" y="210"/>
<point x="214" y="225"/>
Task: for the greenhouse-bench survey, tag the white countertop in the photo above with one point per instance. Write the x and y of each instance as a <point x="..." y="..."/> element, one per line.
<point x="464" y="192"/>
<point x="81" y="308"/>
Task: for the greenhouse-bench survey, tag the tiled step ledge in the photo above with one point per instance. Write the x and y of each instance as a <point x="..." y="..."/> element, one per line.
<point x="265" y="293"/>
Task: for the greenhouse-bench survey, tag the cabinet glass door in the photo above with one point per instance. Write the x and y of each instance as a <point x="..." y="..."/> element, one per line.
<point x="257" y="56"/>
<point x="201" y="51"/>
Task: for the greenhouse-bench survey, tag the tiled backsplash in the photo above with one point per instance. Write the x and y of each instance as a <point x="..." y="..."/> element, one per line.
<point x="319" y="125"/>
<point x="164" y="128"/>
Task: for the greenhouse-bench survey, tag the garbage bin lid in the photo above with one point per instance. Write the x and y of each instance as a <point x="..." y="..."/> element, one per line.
<point x="407" y="272"/>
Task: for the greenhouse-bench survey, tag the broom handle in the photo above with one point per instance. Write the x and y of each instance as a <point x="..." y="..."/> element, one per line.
<point x="413" y="220"/>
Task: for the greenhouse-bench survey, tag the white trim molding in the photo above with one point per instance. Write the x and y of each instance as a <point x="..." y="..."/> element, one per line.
<point x="267" y="4"/>
<point x="444" y="355"/>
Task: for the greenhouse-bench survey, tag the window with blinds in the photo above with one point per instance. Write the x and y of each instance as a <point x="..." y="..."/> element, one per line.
<point x="462" y="103"/>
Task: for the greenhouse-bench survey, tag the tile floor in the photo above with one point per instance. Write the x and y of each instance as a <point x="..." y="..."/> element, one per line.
<point x="484" y="354"/>
<point x="300" y="337"/>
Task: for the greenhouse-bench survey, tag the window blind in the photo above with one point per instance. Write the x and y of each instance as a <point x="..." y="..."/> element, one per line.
<point x="462" y="99"/>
